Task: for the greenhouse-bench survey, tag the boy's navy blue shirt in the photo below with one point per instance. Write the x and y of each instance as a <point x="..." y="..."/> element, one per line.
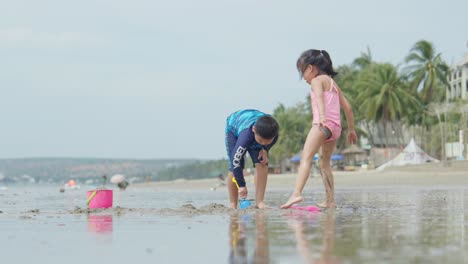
<point x="240" y="138"/>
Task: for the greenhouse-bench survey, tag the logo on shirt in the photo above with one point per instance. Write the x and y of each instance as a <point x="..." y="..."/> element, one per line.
<point x="238" y="156"/>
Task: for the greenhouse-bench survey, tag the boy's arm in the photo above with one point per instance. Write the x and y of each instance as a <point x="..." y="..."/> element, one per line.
<point x="237" y="157"/>
<point x="318" y="91"/>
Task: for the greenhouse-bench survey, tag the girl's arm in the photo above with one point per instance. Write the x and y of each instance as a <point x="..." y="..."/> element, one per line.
<point x="348" y="110"/>
<point x="318" y="91"/>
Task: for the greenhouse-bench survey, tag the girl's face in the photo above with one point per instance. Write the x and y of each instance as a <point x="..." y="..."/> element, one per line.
<point x="310" y="72"/>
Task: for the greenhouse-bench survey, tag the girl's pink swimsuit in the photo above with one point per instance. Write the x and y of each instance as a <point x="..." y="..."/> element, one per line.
<point x="332" y="111"/>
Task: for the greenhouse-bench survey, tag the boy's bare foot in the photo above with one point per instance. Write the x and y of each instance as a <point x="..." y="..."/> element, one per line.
<point x="233" y="205"/>
<point x="292" y="200"/>
<point x="261" y="205"/>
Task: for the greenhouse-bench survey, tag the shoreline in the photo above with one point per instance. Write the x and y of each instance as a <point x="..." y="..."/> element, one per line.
<point x="435" y="174"/>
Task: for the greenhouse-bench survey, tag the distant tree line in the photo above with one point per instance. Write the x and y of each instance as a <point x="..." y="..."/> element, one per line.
<point x="195" y="170"/>
<point x="63" y="169"/>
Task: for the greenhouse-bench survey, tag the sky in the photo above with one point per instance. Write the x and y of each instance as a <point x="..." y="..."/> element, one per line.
<point x="151" y="79"/>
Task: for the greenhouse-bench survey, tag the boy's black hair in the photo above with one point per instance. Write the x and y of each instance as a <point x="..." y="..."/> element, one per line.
<point x="266" y="127"/>
<point x="319" y="58"/>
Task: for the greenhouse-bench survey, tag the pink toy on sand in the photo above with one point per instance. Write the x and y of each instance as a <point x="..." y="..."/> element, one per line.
<point x="99" y="199"/>
<point x="308" y="208"/>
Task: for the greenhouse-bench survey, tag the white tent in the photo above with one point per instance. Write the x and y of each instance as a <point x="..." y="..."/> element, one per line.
<point x="412" y="154"/>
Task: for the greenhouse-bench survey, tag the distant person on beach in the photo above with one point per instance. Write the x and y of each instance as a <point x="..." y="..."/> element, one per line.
<point x="221" y="182"/>
<point x="221" y="177"/>
<point x="123" y="185"/>
<point x="316" y="68"/>
<point x="254" y="132"/>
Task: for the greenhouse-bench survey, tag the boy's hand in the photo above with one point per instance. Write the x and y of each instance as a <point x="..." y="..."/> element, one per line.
<point x="242" y="192"/>
<point x="263" y="157"/>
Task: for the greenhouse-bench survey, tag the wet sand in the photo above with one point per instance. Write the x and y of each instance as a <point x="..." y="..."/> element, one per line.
<point x="402" y="215"/>
<point x="435" y="174"/>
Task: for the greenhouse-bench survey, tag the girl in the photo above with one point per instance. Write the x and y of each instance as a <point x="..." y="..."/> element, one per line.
<point x="316" y="67"/>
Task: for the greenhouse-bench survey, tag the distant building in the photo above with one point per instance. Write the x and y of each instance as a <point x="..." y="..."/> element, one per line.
<point x="458" y="80"/>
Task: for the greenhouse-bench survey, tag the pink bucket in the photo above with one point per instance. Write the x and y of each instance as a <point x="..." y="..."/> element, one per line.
<point x="99" y="199"/>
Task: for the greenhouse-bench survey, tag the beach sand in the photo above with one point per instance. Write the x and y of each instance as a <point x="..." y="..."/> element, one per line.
<point x="410" y="214"/>
<point x="433" y="174"/>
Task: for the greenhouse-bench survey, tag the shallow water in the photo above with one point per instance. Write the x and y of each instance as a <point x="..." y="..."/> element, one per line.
<point x="383" y="225"/>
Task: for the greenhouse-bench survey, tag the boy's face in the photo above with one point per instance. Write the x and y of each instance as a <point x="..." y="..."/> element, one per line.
<point x="260" y="140"/>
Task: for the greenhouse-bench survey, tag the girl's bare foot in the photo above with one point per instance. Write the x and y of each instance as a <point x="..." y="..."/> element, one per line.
<point x="294" y="199"/>
<point x="233" y="205"/>
<point x="261" y="205"/>
<point x="322" y="205"/>
<point x="326" y="205"/>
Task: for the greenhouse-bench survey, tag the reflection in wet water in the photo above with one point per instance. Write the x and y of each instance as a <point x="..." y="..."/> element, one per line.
<point x="238" y="231"/>
<point x="324" y="254"/>
<point x="100" y="224"/>
<point x="427" y="225"/>
<point x="404" y="226"/>
<point x="245" y="228"/>
<point x="381" y="225"/>
<point x="100" y="228"/>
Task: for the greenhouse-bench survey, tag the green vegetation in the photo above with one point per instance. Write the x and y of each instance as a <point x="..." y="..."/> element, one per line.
<point x="294" y="124"/>
<point x="195" y="170"/>
<point x="390" y="105"/>
<point x="427" y="72"/>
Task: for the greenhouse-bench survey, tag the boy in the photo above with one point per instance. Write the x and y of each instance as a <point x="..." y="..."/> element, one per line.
<point x="253" y="131"/>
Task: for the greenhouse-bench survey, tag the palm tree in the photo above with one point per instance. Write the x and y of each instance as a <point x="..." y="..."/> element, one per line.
<point x="383" y="97"/>
<point x="294" y="123"/>
<point x="426" y="71"/>
<point x="364" y="60"/>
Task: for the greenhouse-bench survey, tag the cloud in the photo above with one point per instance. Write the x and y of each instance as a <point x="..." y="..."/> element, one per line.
<point x="28" y="37"/>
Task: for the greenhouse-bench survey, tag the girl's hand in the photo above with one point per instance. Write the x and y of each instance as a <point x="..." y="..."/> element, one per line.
<point x="322" y="121"/>
<point x="243" y="192"/>
<point x="352" y="137"/>
<point x="263" y="157"/>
